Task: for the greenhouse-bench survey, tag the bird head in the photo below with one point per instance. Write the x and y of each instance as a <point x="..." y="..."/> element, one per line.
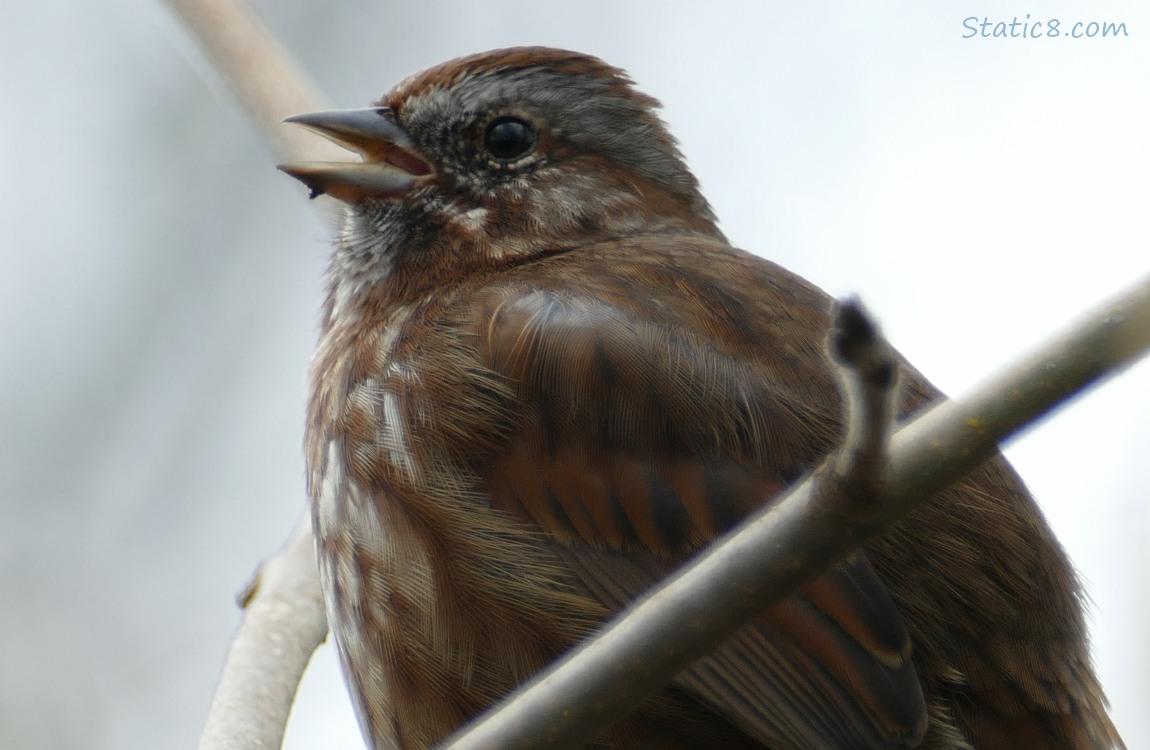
<point x="500" y="157"/>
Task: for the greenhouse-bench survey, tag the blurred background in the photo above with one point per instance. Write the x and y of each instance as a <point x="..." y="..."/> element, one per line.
<point x="159" y="287"/>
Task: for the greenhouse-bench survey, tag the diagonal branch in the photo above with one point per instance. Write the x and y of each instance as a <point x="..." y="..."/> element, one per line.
<point x="264" y="79"/>
<point x="804" y="533"/>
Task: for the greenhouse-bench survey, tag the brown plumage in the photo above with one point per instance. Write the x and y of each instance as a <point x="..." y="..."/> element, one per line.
<point x="545" y="380"/>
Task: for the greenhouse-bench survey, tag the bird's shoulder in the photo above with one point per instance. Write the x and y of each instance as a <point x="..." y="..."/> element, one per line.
<point x="680" y="343"/>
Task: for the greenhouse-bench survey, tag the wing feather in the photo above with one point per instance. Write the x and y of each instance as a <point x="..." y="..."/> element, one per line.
<point x="638" y="443"/>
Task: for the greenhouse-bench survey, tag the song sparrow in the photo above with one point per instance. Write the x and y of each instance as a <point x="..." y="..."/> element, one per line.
<point x="545" y="379"/>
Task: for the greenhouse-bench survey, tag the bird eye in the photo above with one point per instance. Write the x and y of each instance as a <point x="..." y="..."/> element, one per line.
<point x="509" y="138"/>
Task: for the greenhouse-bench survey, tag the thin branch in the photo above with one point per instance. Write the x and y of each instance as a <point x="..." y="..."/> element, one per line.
<point x="283" y="623"/>
<point x="868" y="369"/>
<point x="799" y="536"/>
<point x="263" y="77"/>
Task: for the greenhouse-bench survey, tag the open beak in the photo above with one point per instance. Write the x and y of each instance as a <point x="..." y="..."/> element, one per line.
<point x="391" y="164"/>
